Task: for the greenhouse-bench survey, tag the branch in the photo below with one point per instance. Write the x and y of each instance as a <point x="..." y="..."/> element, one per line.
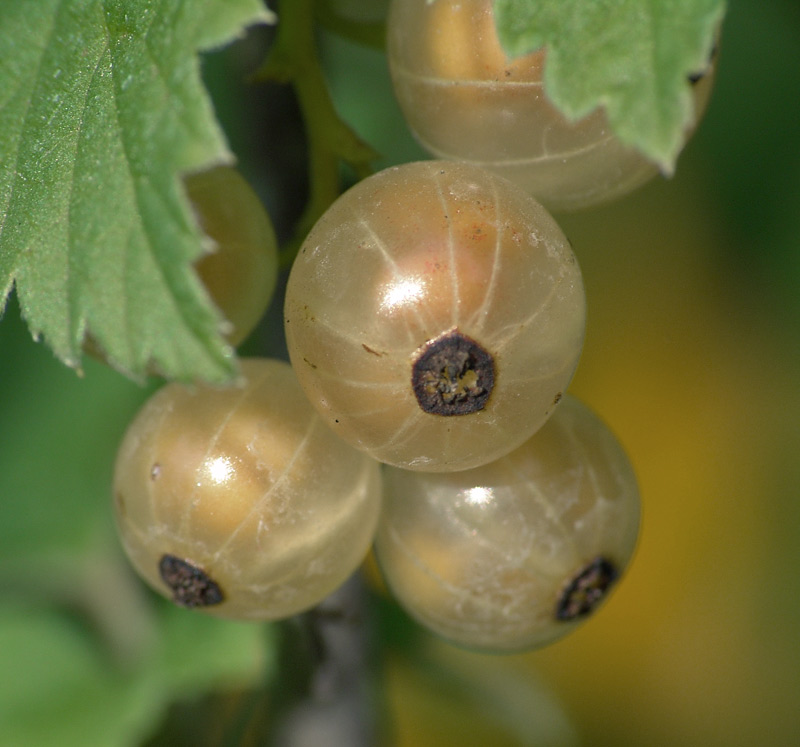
<point x="293" y="59"/>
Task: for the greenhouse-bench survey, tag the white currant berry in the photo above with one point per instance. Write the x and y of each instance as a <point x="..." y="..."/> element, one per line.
<point x="465" y="100"/>
<point x="240" y="501"/>
<point x="514" y="554"/>
<point x="241" y="270"/>
<point x="434" y="316"/>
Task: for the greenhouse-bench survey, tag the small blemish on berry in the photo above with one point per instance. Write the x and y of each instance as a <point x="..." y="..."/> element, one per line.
<point x="370" y="350"/>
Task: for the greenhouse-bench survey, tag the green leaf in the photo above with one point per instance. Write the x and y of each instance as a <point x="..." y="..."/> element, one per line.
<point x="631" y="56"/>
<point x="56" y="688"/>
<point x="101" y="110"/>
<point x="59" y="687"/>
<point x="57" y="445"/>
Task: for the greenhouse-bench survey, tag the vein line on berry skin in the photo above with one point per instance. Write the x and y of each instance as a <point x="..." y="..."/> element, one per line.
<point x="257" y="507"/>
<point x="461" y="594"/>
<point x="527" y="380"/>
<point x="371" y="413"/>
<point x="517" y="328"/>
<point x="555" y="519"/>
<point x="479" y="540"/>
<point x="478" y="319"/>
<point x="396" y="272"/>
<point x="186" y="516"/>
<point x="502" y="433"/>
<point x="355" y="342"/>
<point x="456" y="83"/>
<point x="395" y="440"/>
<point x="143" y="536"/>
<point x="451" y="251"/>
<point x="355" y="383"/>
<point x="546" y="157"/>
<point x="578" y="447"/>
<point x="152" y="458"/>
<point x="492" y="431"/>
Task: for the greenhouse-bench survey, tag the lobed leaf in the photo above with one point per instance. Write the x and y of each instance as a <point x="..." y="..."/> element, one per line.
<point x="632" y="57"/>
<point x="101" y="110"/>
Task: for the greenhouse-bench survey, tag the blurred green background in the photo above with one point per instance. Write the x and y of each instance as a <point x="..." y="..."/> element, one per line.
<point x="692" y="356"/>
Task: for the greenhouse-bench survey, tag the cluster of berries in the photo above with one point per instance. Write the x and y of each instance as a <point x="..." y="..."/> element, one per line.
<point x="434" y="318"/>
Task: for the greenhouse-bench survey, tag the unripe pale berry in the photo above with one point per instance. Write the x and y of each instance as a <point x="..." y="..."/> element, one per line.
<point x="514" y="554"/>
<point x="240" y="501"/>
<point x="241" y="271"/>
<point x="434" y="316"/>
<point x="465" y="100"/>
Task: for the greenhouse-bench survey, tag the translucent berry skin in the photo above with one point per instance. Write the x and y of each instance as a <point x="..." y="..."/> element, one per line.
<point x="464" y="100"/>
<point x="241" y="269"/>
<point x="247" y="487"/>
<point x="404" y="259"/>
<point x="515" y="554"/>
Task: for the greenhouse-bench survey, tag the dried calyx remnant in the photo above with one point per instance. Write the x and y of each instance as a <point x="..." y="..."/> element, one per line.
<point x="191" y="587"/>
<point x="587" y="589"/>
<point x="452" y="375"/>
